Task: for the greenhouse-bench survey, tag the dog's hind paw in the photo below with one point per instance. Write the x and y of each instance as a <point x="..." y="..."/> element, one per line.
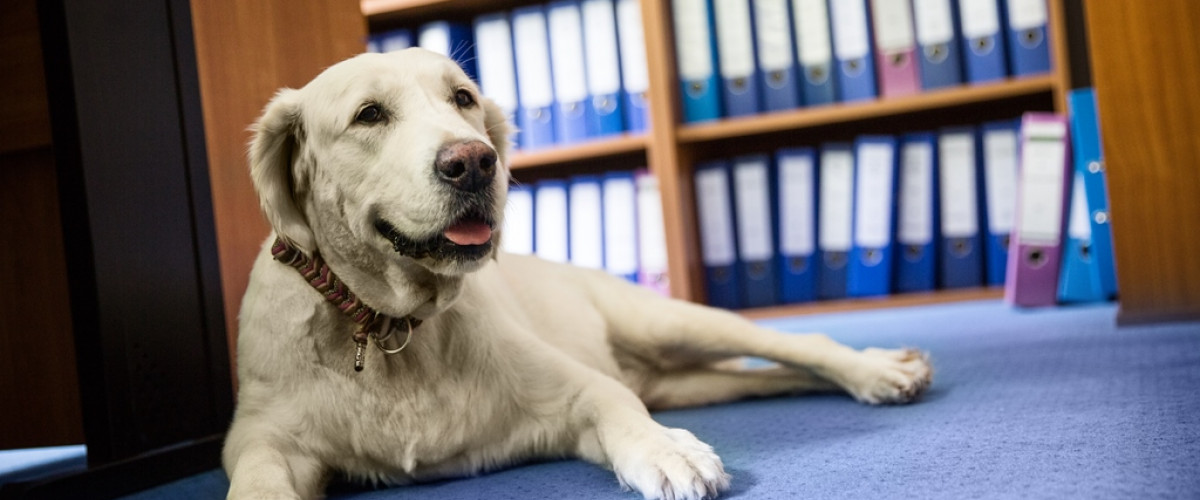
<point x="676" y="467"/>
<point x="890" y="376"/>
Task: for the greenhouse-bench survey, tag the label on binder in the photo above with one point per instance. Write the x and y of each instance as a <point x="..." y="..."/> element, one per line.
<point x="518" y="222"/>
<point x="496" y="71"/>
<point x="1080" y="227"/>
<point x="872" y="228"/>
<point x="796" y="200"/>
<point x="753" y="211"/>
<point x="893" y="24"/>
<point x="1026" y="14"/>
<point x="436" y="38"/>
<point x="712" y="202"/>
<point x="1000" y="171"/>
<point x="586" y="219"/>
<point x="812" y="32"/>
<point x="694" y="48"/>
<point x="852" y="41"/>
<point x="634" y="70"/>
<point x="934" y="20"/>
<point x="733" y="34"/>
<point x="1042" y="184"/>
<point x="567" y="54"/>
<point x="915" y="223"/>
<point x="620" y="226"/>
<point x="601" y="31"/>
<point x="774" y="37"/>
<point x="980" y="18"/>
<point x="960" y="217"/>
<point x="534" y="70"/>
<point x="837" y="201"/>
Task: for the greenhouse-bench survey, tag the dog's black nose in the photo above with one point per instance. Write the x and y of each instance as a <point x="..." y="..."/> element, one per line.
<point x="467" y="165"/>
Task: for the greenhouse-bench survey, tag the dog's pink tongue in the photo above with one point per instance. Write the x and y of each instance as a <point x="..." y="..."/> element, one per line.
<point x="469" y="233"/>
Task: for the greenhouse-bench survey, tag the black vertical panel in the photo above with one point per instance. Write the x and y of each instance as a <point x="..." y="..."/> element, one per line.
<point x="1077" y="44"/>
<point x="137" y="223"/>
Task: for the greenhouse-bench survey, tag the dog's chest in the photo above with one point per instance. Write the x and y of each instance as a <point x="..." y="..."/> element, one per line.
<point x="418" y="424"/>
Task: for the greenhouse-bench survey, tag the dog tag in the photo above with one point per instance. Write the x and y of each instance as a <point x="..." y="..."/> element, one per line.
<point x="360" y="350"/>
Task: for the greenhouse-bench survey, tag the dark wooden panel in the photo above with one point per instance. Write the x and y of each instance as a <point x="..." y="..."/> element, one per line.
<point x="1146" y="71"/>
<point x="38" y="381"/>
<point x="145" y="302"/>
<point x="24" y="118"/>
<point x="245" y="52"/>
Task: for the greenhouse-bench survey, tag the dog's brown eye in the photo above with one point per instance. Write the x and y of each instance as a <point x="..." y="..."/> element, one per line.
<point x="370" y="114"/>
<point x="463" y="98"/>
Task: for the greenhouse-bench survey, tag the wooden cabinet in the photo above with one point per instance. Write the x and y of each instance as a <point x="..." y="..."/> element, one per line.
<point x="671" y="148"/>
<point x="1147" y="71"/>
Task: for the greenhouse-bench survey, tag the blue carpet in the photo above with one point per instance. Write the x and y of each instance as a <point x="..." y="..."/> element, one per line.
<point x="1050" y="403"/>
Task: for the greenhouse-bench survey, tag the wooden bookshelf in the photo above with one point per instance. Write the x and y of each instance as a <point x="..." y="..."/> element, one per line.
<point x="671" y="148"/>
<point x="624" y="144"/>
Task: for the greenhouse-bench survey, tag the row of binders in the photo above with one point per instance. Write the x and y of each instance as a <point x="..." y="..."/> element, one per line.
<point x="742" y="57"/>
<point x="961" y="207"/>
<point x="611" y="221"/>
<point x="565" y="72"/>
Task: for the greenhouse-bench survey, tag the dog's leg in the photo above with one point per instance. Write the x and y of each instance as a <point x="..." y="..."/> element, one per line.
<point x="658" y="462"/>
<point x="711" y="385"/>
<point x="682" y="335"/>
<point x="261" y="469"/>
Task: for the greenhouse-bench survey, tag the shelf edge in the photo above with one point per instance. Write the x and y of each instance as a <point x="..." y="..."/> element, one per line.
<point x="844" y="113"/>
<point x="869" y="303"/>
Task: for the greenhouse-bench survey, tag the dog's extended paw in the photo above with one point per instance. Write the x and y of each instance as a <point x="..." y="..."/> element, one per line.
<point x="251" y="493"/>
<point x="676" y="467"/>
<point x="890" y="376"/>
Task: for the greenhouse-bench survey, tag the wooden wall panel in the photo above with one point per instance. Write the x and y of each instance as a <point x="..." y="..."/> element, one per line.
<point x="24" y="116"/>
<point x="38" y="382"/>
<point x="1146" y="70"/>
<point x="245" y="52"/>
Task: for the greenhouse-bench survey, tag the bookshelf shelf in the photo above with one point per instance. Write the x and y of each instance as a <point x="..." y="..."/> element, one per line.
<point x="883" y="302"/>
<point x="388" y="10"/>
<point x="590" y="150"/>
<point x="855" y="112"/>
<point x="378" y="7"/>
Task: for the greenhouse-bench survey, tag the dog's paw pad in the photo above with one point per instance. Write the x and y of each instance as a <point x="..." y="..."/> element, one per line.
<point x="676" y="467"/>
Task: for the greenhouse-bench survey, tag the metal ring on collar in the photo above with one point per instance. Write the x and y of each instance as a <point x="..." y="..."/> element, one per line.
<point x="387" y="327"/>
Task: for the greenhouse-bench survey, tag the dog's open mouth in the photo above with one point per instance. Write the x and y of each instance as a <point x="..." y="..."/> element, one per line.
<point x="468" y="238"/>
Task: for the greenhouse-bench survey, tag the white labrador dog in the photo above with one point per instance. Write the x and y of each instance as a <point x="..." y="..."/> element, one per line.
<point x="384" y="180"/>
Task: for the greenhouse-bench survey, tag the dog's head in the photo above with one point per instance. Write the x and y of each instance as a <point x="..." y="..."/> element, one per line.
<point x="385" y="156"/>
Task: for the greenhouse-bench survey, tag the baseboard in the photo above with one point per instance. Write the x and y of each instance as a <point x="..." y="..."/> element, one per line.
<point x="124" y="477"/>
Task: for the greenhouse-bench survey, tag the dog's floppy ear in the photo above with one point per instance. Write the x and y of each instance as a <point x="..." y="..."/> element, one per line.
<point x="278" y="140"/>
<point x="499" y="130"/>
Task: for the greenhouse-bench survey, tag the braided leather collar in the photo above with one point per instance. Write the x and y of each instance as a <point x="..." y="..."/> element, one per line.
<point x="370" y="323"/>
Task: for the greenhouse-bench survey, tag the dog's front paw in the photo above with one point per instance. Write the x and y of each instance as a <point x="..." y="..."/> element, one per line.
<point x="253" y="491"/>
<point x="890" y="376"/>
<point x="675" y="466"/>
